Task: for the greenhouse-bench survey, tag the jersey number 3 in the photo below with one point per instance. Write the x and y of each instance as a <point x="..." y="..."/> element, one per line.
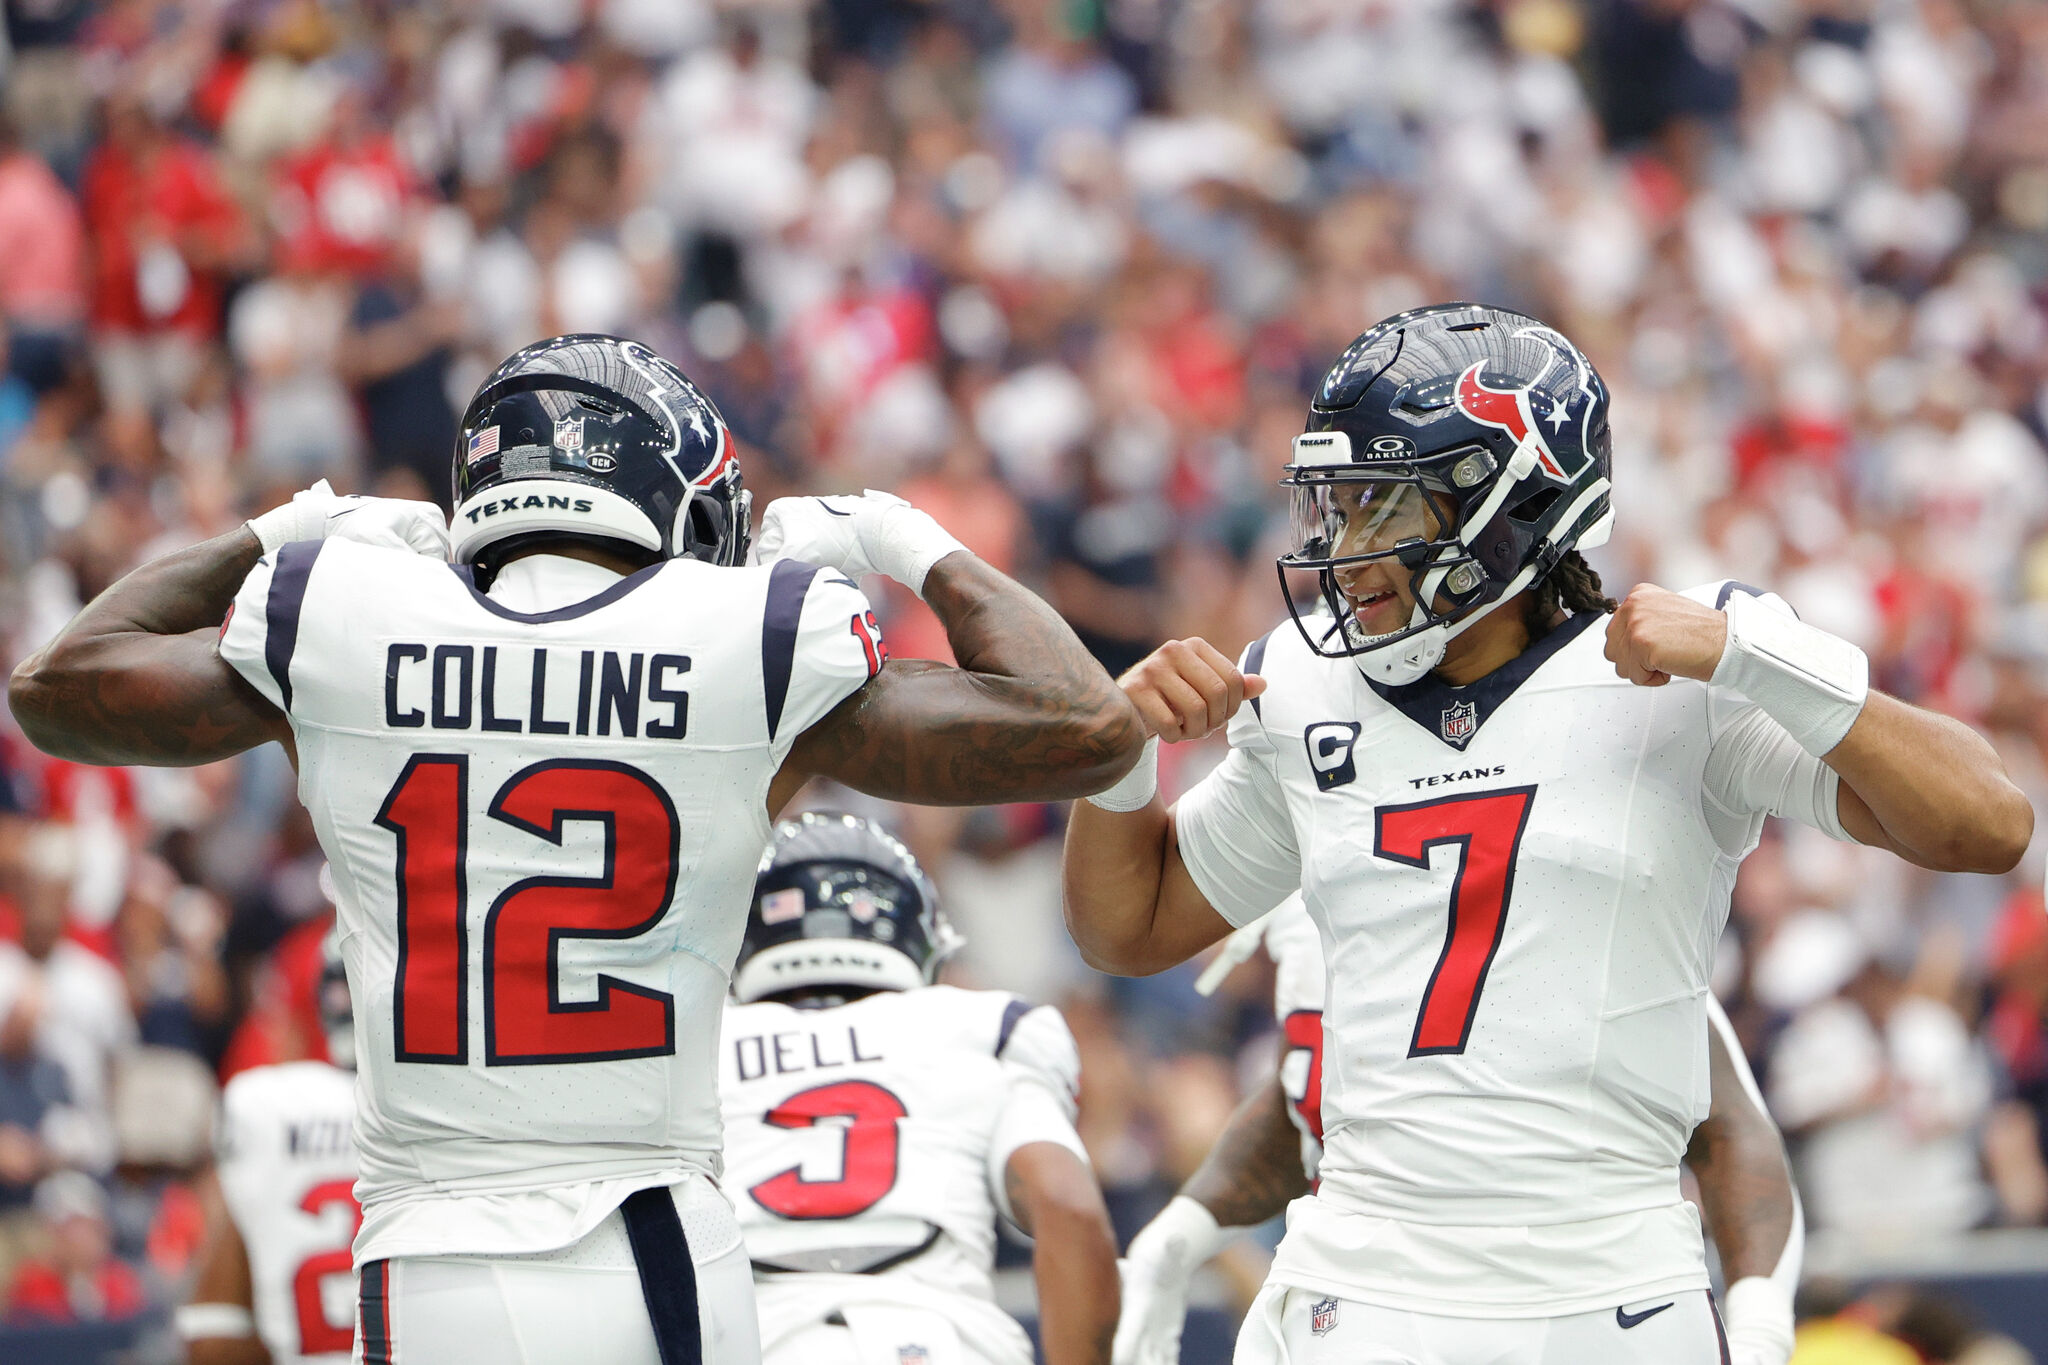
<point x="867" y="1116"/>
<point x="526" y="1021"/>
<point x="1487" y="829"/>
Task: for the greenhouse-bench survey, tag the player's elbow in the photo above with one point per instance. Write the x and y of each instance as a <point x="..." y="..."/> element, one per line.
<point x="1105" y="740"/>
<point x="1996" y="838"/>
<point x="33" y="696"/>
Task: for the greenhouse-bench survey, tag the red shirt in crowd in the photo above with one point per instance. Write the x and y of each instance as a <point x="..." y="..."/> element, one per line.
<point x="138" y="203"/>
<point x="41" y="1294"/>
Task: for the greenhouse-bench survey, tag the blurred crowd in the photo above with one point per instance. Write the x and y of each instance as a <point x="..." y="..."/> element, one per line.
<point x="1063" y="272"/>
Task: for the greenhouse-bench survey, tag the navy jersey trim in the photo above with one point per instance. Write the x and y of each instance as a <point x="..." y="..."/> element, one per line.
<point x="788" y="582"/>
<point x="281" y="611"/>
<point x="1254" y="660"/>
<point x="668" y="1277"/>
<point x="1013" y="1015"/>
<point x="889" y="1262"/>
<point x="568" y="613"/>
<point x="1730" y="588"/>
<point x="376" y="1313"/>
<point x="1428" y="701"/>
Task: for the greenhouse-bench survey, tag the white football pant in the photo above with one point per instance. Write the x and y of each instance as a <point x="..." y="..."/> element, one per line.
<point x="1288" y="1326"/>
<point x="584" y="1304"/>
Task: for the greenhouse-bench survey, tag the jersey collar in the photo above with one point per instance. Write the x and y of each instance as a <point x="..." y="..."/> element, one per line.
<point x="1454" y="714"/>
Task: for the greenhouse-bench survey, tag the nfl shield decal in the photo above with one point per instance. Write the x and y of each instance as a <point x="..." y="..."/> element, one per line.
<point x="568" y="433"/>
<point x="1322" y="1316"/>
<point x="1460" y="723"/>
<point x="913" y="1355"/>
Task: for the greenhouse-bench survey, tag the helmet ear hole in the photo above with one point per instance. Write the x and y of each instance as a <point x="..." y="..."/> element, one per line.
<point x="1532" y="509"/>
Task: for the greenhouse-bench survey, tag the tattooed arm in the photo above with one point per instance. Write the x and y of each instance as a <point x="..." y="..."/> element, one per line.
<point x="1028" y="715"/>
<point x="1254" y="1170"/>
<point x="1752" y="1211"/>
<point x="1055" y="1199"/>
<point x="136" y="677"/>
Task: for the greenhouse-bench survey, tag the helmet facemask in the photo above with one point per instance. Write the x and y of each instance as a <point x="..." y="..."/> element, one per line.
<point x="1378" y="539"/>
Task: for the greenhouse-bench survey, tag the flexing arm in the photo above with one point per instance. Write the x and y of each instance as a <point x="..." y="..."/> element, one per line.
<point x="1027" y="716"/>
<point x="1054" y="1198"/>
<point x="1925" y="786"/>
<point x="1131" y="905"/>
<point x="136" y="677"/>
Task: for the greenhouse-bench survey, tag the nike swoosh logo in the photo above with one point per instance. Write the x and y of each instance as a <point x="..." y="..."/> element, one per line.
<point x="1628" y="1319"/>
<point x="833" y="510"/>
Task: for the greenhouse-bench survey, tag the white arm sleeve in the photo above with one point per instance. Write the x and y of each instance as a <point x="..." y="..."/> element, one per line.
<point x="1237" y="838"/>
<point x="1756" y="768"/>
<point x="1043" y="1068"/>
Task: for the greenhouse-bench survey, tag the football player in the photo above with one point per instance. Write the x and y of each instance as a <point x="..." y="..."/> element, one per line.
<point x="276" y="1287"/>
<point x="1737" y="1156"/>
<point x="876" y="1124"/>
<point x="544" y="775"/>
<point x="1515" y="812"/>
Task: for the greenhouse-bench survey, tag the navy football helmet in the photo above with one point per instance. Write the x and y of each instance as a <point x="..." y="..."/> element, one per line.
<point x="596" y="437"/>
<point x="838" y="902"/>
<point x="1462" y="446"/>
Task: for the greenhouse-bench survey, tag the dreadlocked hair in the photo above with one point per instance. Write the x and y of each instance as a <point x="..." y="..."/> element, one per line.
<point x="1571" y="586"/>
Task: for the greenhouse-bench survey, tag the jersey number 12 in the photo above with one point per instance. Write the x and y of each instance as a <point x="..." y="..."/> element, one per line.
<point x="526" y="1021"/>
<point x="1487" y="829"/>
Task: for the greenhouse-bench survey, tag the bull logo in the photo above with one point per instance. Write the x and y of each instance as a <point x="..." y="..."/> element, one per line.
<point x="1509" y="410"/>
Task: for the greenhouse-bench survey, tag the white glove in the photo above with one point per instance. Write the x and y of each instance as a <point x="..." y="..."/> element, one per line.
<point x="320" y="512"/>
<point x="1163" y="1258"/>
<point x="1757" y="1313"/>
<point x="873" y="533"/>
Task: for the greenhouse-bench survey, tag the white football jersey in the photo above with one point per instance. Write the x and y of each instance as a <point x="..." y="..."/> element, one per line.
<point x="1297" y="951"/>
<point x="1519" y="886"/>
<point x="544" y="808"/>
<point x="287" y="1169"/>
<point x="866" y="1145"/>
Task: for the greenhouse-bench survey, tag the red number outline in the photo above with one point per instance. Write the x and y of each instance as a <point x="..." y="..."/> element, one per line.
<point x="867" y="1170"/>
<point x="1479" y="824"/>
<point x="317" y="1335"/>
<point x="503" y="1018"/>
<point x="424" y="966"/>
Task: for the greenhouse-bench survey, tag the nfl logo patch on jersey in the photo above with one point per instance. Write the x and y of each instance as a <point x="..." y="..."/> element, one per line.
<point x="1460" y="723"/>
<point x="568" y="433"/>
<point x="1322" y="1316"/>
<point x="913" y="1355"/>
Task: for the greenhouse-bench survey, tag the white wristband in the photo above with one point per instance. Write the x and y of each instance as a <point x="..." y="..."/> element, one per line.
<point x="1757" y="1313"/>
<point x="198" y="1321"/>
<point x="907" y="542"/>
<point x="1812" y="683"/>
<point x="1136" y="788"/>
<point x="1181" y="1239"/>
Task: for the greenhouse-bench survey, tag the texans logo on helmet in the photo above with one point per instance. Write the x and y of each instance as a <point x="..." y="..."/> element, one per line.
<point x="1509" y="409"/>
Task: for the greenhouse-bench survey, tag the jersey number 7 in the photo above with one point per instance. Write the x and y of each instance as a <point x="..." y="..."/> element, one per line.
<point x="1487" y="829"/>
<point x="526" y="1021"/>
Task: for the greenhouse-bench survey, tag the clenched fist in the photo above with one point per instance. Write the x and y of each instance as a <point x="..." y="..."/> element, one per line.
<point x="1656" y="635"/>
<point x="1186" y="689"/>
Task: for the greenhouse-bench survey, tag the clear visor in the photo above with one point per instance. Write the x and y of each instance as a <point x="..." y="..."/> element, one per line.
<point x="1355" y="519"/>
